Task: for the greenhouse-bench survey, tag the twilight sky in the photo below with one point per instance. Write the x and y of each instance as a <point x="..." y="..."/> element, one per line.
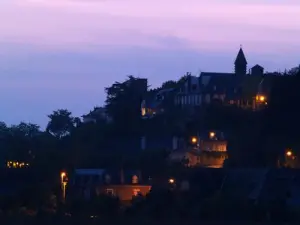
<point x="62" y="53"/>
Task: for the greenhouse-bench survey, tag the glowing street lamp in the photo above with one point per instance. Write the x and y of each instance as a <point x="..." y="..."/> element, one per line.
<point x="63" y="181"/>
<point x="194" y="140"/>
<point x="262" y="98"/>
<point x="62" y="176"/>
<point x="289" y="153"/>
<point x="212" y="134"/>
<point x="171" y="181"/>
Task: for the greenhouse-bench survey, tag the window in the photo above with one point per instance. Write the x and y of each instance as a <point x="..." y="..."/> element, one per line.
<point x="215" y="88"/>
<point x="135" y="179"/>
<point x="110" y="192"/>
<point x="136" y="192"/>
<point x="143" y="111"/>
<point x="194" y="87"/>
<point x="222" y="148"/>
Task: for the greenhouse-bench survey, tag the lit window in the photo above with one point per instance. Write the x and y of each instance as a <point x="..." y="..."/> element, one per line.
<point x="16" y="164"/>
<point x="135" y="179"/>
<point x="260" y="98"/>
<point x="143" y="111"/>
<point x="136" y="192"/>
<point x="110" y="192"/>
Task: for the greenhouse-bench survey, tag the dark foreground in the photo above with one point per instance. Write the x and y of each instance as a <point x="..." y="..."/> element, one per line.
<point x="116" y="221"/>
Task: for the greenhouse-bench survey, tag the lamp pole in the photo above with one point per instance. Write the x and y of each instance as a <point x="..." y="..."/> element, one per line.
<point x="63" y="182"/>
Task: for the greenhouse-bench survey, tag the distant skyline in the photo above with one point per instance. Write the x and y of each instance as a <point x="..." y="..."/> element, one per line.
<point x="62" y="53"/>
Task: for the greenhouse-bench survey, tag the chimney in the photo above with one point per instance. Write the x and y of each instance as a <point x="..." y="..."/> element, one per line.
<point x="143" y="143"/>
<point x="174" y="143"/>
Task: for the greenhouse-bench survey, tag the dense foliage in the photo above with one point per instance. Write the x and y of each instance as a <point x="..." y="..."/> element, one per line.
<point x="254" y="139"/>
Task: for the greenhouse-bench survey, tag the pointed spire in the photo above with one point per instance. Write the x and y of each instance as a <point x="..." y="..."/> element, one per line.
<point x="241" y="59"/>
<point x="240" y="64"/>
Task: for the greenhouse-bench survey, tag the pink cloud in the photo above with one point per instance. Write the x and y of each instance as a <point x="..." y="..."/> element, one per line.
<point x="214" y="24"/>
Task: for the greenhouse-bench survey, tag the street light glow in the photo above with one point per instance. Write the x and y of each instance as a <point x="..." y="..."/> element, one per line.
<point x="262" y="98"/>
<point x="212" y="134"/>
<point x="194" y="140"/>
<point x="62" y="175"/>
<point x="289" y="153"/>
<point x="171" y="181"/>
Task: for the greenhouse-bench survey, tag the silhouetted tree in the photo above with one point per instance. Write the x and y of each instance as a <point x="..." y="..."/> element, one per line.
<point x="281" y="119"/>
<point x="169" y="84"/>
<point x="61" y="123"/>
<point x="20" y="141"/>
<point x="294" y="71"/>
<point x="123" y="103"/>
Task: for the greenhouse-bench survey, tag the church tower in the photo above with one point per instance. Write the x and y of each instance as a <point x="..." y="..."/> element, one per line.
<point x="240" y="64"/>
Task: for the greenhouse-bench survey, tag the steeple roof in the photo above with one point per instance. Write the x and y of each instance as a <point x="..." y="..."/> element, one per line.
<point x="240" y="59"/>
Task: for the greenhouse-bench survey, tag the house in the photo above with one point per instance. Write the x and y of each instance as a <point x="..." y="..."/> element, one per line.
<point x="125" y="185"/>
<point x="206" y="150"/>
<point x="246" y="90"/>
<point x="190" y="93"/>
<point x="156" y="102"/>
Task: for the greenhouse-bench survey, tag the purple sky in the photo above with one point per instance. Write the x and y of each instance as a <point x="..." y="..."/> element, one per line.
<point x="62" y="53"/>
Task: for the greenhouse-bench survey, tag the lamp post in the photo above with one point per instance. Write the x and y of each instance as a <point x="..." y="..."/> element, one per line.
<point x="63" y="182"/>
<point x="290" y="158"/>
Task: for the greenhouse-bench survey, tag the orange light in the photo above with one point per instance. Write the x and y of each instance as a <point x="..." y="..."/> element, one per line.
<point x="194" y="140"/>
<point x="289" y="153"/>
<point x="62" y="176"/>
<point x="171" y="181"/>
<point x="212" y="134"/>
<point x="262" y="98"/>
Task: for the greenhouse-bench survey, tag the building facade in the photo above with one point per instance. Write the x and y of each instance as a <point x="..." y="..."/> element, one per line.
<point x="246" y="90"/>
<point x="89" y="183"/>
<point x="206" y="150"/>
